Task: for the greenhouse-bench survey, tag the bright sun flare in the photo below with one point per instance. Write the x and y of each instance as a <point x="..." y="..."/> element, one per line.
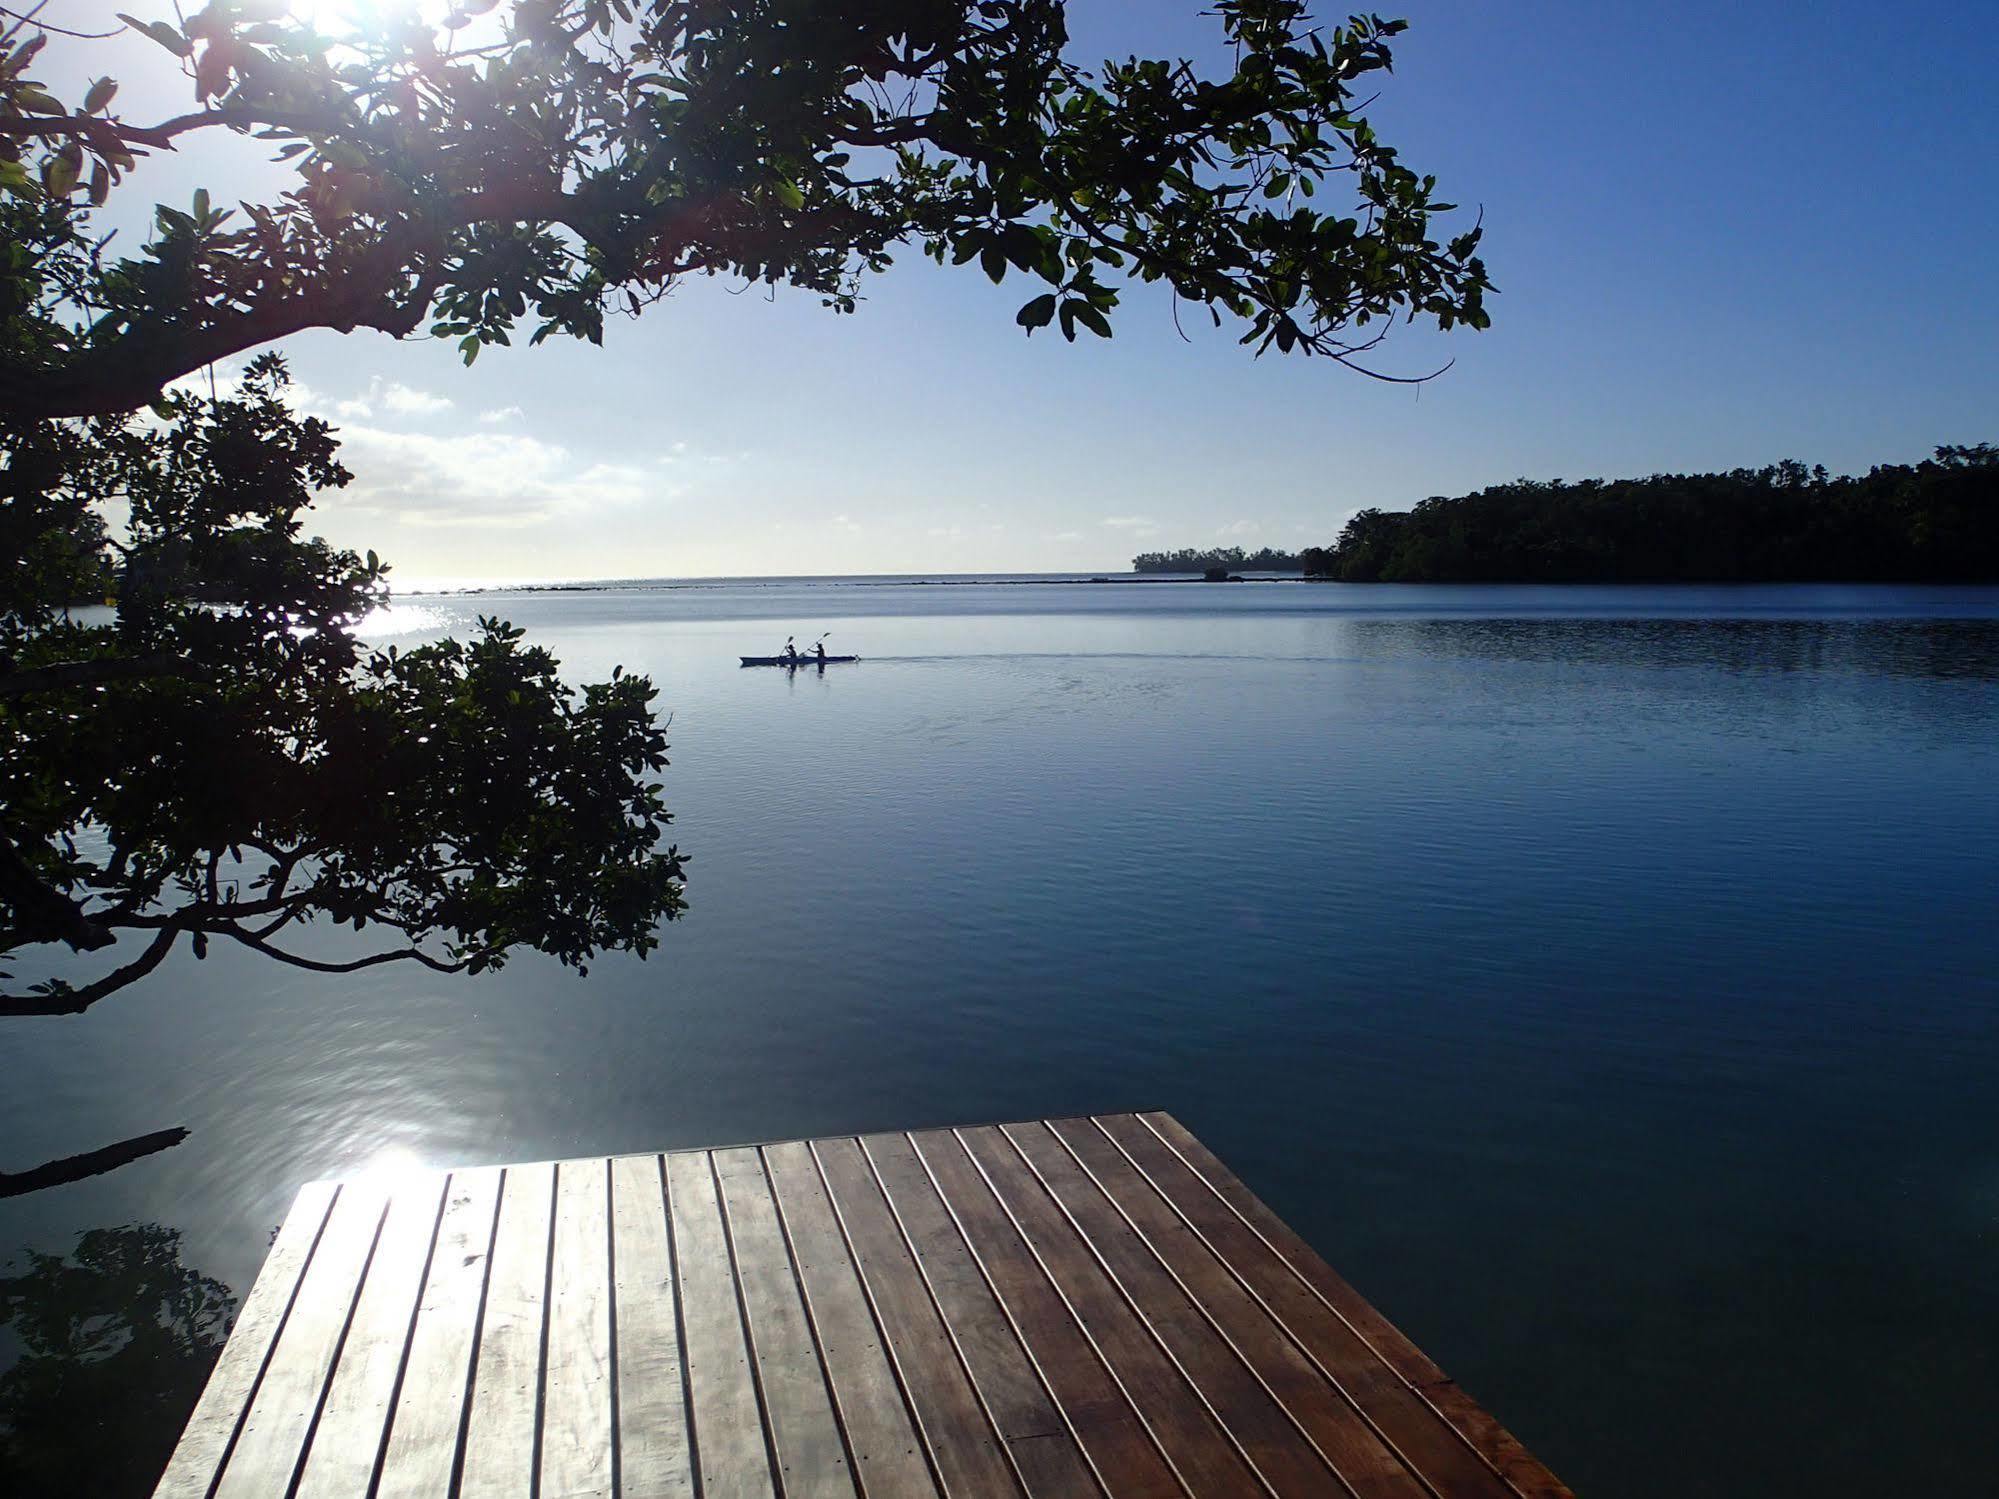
<point x="344" y="17"/>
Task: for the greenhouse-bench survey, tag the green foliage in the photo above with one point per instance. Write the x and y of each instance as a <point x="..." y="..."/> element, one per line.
<point x="539" y="164"/>
<point x="1936" y="520"/>
<point x="221" y="758"/>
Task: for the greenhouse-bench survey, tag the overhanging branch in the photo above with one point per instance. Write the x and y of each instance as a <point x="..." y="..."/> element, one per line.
<point x="67" y="1001"/>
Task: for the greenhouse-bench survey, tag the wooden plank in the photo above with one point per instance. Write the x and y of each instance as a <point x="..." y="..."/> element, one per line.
<point x="1044" y="1449"/>
<point x="1127" y="1459"/>
<point x="729" y="1447"/>
<point x="1316" y="1404"/>
<point x="887" y="1449"/>
<point x="355" y="1417"/>
<point x="503" y="1424"/>
<point x="654" y="1461"/>
<point x="804" y="1432"/>
<point x="1076" y="1307"/>
<point x="279" y="1425"/>
<point x="1257" y="1424"/>
<point x="576" y="1460"/>
<point x="437" y="1373"/>
<point x="961" y="1439"/>
<point x="1405" y="1420"/>
<point x="1491" y="1441"/>
<point x="1194" y="1441"/>
<point x="211" y="1430"/>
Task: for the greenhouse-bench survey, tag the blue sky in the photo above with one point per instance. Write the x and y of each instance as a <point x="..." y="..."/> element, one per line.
<point x="1723" y="234"/>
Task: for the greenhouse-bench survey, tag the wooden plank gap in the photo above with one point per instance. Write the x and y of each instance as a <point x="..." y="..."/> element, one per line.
<point x="1138" y="1312"/>
<point x="811" y="1321"/>
<point x="611" y="1326"/>
<point x="1346" y="1440"/>
<point x="950" y="1333"/>
<point x="1293" y="1337"/>
<point x="749" y="1334"/>
<point x="1187" y="1481"/>
<point x="886" y="1444"/>
<point x="349" y="1435"/>
<point x="209" y="1441"/>
<point x="502" y="1440"/>
<point x="478" y="1332"/>
<point x="1019" y="1332"/>
<point x="426" y="1419"/>
<point x="874" y="1311"/>
<point x="680" y="1333"/>
<point x="409" y="1337"/>
<point x="926" y="1440"/>
<point x="1499" y="1452"/>
<point x="339" y="1347"/>
<point x="277" y="1434"/>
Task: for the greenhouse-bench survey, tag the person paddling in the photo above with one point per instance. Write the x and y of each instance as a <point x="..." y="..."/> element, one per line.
<point x="790" y="651"/>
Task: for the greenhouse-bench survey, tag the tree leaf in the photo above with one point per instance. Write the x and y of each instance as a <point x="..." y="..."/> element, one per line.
<point x="1037" y="313"/>
<point x="160" y="32"/>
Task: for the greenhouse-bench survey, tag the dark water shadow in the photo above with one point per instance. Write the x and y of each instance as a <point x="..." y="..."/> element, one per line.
<point x="105" y="1351"/>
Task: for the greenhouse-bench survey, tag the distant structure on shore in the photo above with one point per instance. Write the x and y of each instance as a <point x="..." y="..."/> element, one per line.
<point x="1228" y="559"/>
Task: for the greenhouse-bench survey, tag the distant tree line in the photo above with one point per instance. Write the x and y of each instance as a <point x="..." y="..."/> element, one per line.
<point x="1232" y="559"/>
<point x="1933" y="521"/>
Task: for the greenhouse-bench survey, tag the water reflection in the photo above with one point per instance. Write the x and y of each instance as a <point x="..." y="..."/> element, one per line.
<point x="1965" y="649"/>
<point x="109" y="1347"/>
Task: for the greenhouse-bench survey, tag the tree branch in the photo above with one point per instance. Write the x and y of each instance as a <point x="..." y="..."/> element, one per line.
<point x="42" y="912"/>
<point x="354" y="965"/>
<point x="63" y="1000"/>
<point x="91" y="1163"/>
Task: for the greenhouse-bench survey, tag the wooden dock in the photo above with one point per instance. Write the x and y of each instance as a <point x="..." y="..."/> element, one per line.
<point x="1067" y="1307"/>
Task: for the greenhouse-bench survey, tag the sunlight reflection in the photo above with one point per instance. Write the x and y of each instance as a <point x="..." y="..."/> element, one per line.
<point x="399" y="619"/>
<point x="393" y="1169"/>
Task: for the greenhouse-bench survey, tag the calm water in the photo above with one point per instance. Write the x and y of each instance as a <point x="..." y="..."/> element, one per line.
<point x="1606" y="980"/>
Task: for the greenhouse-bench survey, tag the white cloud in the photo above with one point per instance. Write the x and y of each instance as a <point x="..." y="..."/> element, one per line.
<point x="401" y="398"/>
<point x="481" y="479"/>
<point x="1240" y="528"/>
<point x="681" y="452"/>
<point x="390" y="396"/>
<point x="502" y="414"/>
<point x="1135" y="527"/>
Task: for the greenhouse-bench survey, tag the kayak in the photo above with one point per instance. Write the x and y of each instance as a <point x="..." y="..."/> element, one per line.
<point x="801" y="661"/>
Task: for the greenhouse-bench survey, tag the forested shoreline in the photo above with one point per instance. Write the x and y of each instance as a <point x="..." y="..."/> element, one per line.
<point x="1934" y="521"/>
<point x="1937" y="520"/>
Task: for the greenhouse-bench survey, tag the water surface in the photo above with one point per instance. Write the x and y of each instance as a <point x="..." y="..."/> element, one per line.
<point x="1606" y="980"/>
